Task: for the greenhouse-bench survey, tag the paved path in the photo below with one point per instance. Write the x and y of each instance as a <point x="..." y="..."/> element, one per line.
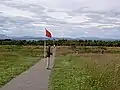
<point x="36" y="78"/>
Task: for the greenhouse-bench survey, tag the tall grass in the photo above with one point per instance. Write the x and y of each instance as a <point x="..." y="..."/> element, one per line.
<point x="88" y="71"/>
<point x="16" y="59"/>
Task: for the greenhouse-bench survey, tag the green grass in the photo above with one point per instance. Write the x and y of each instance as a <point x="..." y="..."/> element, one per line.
<point x="86" y="72"/>
<point x="16" y="59"/>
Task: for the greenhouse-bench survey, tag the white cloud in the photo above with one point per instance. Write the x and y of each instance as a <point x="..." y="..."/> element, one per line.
<point x="108" y="26"/>
<point x="63" y="17"/>
<point x="102" y="5"/>
<point x="58" y="15"/>
<point x="9" y="11"/>
<point x="78" y="19"/>
<point x="43" y="25"/>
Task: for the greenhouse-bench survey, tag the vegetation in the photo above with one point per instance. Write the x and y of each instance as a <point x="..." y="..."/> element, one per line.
<point x="16" y="59"/>
<point x="85" y="71"/>
<point x="63" y="42"/>
<point x="79" y="64"/>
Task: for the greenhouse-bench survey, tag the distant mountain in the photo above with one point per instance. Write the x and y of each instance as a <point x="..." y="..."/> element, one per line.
<point x="90" y="38"/>
<point x="29" y="38"/>
<point x="57" y="38"/>
<point x="54" y="38"/>
<point x="96" y="38"/>
<point x="2" y="37"/>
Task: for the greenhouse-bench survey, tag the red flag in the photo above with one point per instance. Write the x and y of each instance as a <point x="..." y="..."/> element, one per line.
<point x="48" y="34"/>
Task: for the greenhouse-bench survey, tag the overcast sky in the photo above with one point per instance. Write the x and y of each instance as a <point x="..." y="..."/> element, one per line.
<point x="64" y="18"/>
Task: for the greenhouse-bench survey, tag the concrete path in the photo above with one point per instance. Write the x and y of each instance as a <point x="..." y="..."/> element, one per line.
<point x="36" y="78"/>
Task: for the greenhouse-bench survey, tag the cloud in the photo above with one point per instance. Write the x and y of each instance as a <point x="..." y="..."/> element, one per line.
<point x="15" y="12"/>
<point x="43" y="25"/>
<point x="70" y="18"/>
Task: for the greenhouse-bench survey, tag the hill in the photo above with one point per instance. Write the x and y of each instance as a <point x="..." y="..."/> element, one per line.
<point x="2" y="36"/>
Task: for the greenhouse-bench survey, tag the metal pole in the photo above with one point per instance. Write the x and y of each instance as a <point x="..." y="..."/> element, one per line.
<point x="44" y="48"/>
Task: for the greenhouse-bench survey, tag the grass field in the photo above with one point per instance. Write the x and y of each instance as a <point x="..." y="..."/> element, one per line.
<point x="16" y="59"/>
<point x="85" y="71"/>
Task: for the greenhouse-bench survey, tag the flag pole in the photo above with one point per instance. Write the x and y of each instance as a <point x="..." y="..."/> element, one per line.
<point x="44" y="47"/>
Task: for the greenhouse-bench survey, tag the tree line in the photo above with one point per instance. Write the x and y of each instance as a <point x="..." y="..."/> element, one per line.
<point x="61" y="42"/>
